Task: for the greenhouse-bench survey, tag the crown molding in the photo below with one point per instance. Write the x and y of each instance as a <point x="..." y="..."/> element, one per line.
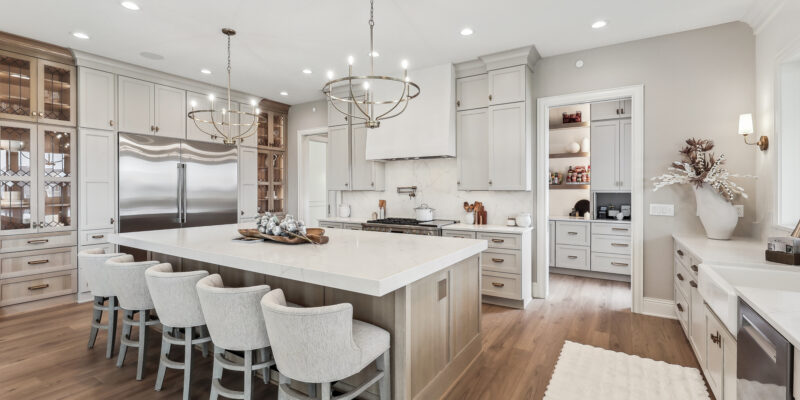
<point x="762" y="12"/>
<point x="30" y="47"/>
<point x="527" y="55"/>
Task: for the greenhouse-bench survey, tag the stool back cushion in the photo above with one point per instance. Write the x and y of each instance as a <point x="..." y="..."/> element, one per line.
<point x="175" y="295"/>
<point x="92" y="263"/>
<point x="127" y="279"/>
<point x="312" y="344"/>
<point x="233" y="315"/>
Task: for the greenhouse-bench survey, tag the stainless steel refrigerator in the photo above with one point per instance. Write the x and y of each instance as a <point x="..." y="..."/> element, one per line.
<point x="170" y="183"/>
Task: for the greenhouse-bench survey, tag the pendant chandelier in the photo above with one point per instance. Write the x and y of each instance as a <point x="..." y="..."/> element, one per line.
<point x="362" y="104"/>
<point x="222" y="127"/>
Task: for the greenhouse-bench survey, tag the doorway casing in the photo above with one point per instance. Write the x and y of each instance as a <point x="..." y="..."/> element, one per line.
<point x="544" y="104"/>
<point x="302" y="135"/>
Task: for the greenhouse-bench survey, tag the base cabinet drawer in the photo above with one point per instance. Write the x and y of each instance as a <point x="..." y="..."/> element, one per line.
<point x="575" y="257"/>
<point x="352" y="227"/>
<point x="682" y="277"/>
<point x="682" y="311"/>
<point x="94" y="237"/>
<point x="37" y="287"/>
<point x="611" y="244"/>
<point x="25" y="263"/>
<point x="501" y="241"/>
<point x="38" y="241"/>
<point x="332" y="225"/>
<point x="499" y="260"/>
<point x="573" y="233"/>
<point x="501" y="285"/>
<point x="601" y="228"/>
<point x="459" y="234"/>
<point x="611" y="263"/>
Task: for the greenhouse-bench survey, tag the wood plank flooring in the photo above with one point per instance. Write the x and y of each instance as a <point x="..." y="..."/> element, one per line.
<point x="43" y="355"/>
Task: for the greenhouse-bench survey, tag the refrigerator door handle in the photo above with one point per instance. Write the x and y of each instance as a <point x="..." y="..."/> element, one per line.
<point x="184" y="196"/>
<point x="180" y="192"/>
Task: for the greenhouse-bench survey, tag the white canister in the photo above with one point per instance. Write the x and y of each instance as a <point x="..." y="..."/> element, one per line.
<point x="468" y="218"/>
<point x="424" y="213"/>
<point x="524" y="220"/>
<point x="344" y="210"/>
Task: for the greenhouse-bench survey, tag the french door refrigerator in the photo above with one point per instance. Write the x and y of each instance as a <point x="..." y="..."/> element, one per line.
<point x="171" y="183"/>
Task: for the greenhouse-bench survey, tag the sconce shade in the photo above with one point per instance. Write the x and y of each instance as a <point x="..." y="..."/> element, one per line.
<point x="745" y="124"/>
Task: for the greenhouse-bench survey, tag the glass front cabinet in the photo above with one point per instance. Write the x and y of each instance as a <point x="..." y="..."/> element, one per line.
<point x="272" y="163"/>
<point x="37" y="179"/>
<point x="36" y="90"/>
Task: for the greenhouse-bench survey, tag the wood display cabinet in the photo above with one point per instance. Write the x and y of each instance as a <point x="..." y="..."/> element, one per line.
<point x="271" y="166"/>
<point x="36" y="90"/>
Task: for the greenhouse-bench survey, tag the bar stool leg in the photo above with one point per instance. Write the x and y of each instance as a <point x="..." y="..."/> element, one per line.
<point x="97" y="315"/>
<point x="143" y="317"/>
<point x="326" y="391"/>
<point x="187" y="363"/>
<point x="264" y="357"/>
<point x="126" y="333"/>
<point x="312" y="390"/>
<point x="202" y="333"/>
<point x="112" y="326"/>
<point x="162" y="367"/>
<point x="385" y="384"/>
<point x="216" y="375"/>
<point x="248" y="374"/>
<point x="283" y="380"/>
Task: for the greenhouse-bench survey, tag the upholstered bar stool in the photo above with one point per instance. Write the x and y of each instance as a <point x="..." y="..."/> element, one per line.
<point x="323" y="345"/>
<point x="127" y="279"/>
<point x="235" y="321"/>
<point x="175" y="298"/>
<point x="92" y="265"/>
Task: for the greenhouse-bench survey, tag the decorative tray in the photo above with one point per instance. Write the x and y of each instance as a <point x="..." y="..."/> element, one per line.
<point x="313" y="235"/>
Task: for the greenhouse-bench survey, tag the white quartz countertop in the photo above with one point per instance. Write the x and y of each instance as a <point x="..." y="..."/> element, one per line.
<point x="581" y="219"/>
<point x="737" y="251"/>
<point x="348" y="220"/>
<point x="778" y="307"/>
<point x="487" y="228"/>
<point x="372" y="263"/>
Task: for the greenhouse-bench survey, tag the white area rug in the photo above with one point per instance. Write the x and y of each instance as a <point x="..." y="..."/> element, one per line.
<point x="586" y="372"/>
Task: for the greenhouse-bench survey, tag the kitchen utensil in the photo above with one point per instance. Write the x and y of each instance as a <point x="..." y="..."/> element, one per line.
<point x="374" y="215"/>
<point x="423" y="213"/>
<point x="344" y="210"/>
<point x="582" y="207"/>
<point x="524" y="220"/>
<point x="468" y="218"/>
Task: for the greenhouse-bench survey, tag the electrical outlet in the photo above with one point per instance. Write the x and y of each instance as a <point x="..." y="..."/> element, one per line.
<point x="667" y="210"/>
<point x="739" y="210"/>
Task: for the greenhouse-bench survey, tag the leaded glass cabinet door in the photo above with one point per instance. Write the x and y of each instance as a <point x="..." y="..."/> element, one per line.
<point x="277" y="186"/>
<point x="18" y="165"/>
<point x="56" y="93"/>
<point x="57" y="179"/>
<point x="17" y="86"/>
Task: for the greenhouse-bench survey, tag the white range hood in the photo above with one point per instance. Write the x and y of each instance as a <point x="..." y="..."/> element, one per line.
<point x="427" y="128"/>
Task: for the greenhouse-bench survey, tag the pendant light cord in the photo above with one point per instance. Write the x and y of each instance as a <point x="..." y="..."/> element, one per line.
<point x="371" y="41"/>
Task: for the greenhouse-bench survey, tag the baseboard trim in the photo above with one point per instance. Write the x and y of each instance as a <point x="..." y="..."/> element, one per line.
<point x="590" y="274"/>
<point x="659" y="308"/>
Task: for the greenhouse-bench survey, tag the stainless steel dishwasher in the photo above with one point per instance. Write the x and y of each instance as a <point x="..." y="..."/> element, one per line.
<point x="763" y="359"/>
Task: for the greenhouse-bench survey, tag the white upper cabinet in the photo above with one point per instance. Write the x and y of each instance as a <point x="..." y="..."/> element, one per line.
<point x="366" y="175"/>
<point x="248" y="183"/>
<point x="611" y="155"/>
<point x="252" y="140"/>
<point x="507" y="85"/>
<point x="612" y="109"/>
<point x="473" y="142"/>
<point x="509" y="142"/>
<point x="472" y="92"/>
<point x="97" y="151"/>
<point x="338" y="160"/>
<point x="200" y="102"/>
<point x="170" y="112"/>
<point x="136" y="100"/>
<point x="625" y="108"/>
<point x="335" y="118"/>
<point x="625" y="171"/>
<point x="96" y="99"/>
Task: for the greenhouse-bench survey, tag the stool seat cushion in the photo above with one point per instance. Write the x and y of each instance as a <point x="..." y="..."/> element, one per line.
<point x="175" y="295"/>
<point x="233" y="315"/>
<point x="129" y="283"/>
<point x="372" y="340"/>
<point x="92" y="263"/>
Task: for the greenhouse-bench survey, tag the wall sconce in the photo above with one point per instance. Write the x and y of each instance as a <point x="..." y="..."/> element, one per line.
<point x="746" y="128"/>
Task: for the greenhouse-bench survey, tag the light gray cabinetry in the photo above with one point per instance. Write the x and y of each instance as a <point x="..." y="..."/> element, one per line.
<point x="97" y="163"/>
<point x="473" y="141"/>
<point x="136" y="105"/>
<point x="366" y="175"/>
<point x="509" y="152"/>
<point x="472" y="92"/>
<point x="96" y="99"/>
<point x="347" y="164"/>
<point x="612" y="109"/>
<point x="611" y="155"/>
<point x="508" y="85"/>
<point x="338" y="159"/>
<point x="248" y="183"/>
<point x="170" y="112"/>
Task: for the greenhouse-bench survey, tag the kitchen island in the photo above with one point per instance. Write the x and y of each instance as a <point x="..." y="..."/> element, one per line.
<point x="424" y="290"/>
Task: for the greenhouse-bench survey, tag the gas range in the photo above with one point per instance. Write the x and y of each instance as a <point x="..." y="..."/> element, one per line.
<point x="407" y="225"/>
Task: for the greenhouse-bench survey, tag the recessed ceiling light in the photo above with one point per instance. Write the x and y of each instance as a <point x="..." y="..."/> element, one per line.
<point x="206" y="71"/>
<point x="466" y="32"/>
<point x="599" y="24"/>
<point x="130" y="5"/>
<point x="284" y="93"/>
<point x="306" y="71"/>
<point x="80" y="35"/>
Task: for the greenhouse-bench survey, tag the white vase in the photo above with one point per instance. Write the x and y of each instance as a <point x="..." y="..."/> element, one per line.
<point x="719" y="217"/>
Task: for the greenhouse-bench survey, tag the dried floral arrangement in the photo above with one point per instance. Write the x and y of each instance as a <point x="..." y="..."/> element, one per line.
<point x="698" y="167"/>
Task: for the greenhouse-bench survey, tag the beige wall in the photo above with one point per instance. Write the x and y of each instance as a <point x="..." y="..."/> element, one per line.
<point x="301" y="117"/>
<point x="696" y="83"/>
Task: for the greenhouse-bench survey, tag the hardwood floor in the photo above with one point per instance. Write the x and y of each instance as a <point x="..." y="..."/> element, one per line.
<point x="43" y="355"/>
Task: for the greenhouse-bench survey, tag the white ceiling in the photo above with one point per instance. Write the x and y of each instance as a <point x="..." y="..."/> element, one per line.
<point x="277" y="39"/>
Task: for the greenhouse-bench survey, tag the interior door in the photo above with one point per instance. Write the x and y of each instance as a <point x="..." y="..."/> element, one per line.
<point x="18" y="166"/>
<point x="148" y="182"/>
<point x="96" y="99"/>
<point x="472" y="130"/>
<point x="338" y="160"/>
<point x="170" y="112"/>
<point x="136" y="99"/>
<point x="210" y="184"/>
<point x="605" y="155"/>
<point x="316" y="192"/>
<point x="507" y="147"/>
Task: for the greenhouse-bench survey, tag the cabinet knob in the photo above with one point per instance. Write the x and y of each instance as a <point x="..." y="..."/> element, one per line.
<point x="152" y="128"/>
<point x="157" y="129"/>
<point x="241" y="212"/>
<point x="680" y="277"/>
<point x="111" y="221"/>
<point x="33" y="113"/>
<point x="490" y="181"/>
<point x="458" y="103"/>
<point x="111" y="122"/>
<point x="458" y="182"/>
<point x="694" y="267"/>
<point x="680" y="253"/>
<point x="372" y="184"/>
<point x="693" y="284"/>
<point x="680" y="307"/>
<point x="347" y="184"/>
<point x="490" y="97"/>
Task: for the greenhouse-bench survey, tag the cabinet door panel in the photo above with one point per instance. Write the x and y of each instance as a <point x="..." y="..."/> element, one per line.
<point x="507" y="85"/>
<point x="96" y="99"/>
<point x="56" y="93"/>
<point x="604" y="110"/>
<point x="472" y="92"/>
<point x="715" y="355"/>
<point x="252" y="140"/>
<point x="472" y="128"/>
<point x="248" y="183"/>
<point x="604" y="156"/>
<point x="18" y="193"/>
<point x="170" y="112"/>
<point x="507" y="146"/>
<point x="97" y="163"/>
<point x="697" y="323"/>
<point x="362" y="170"/>
<point x="197" y="101"/>
<point x="625" y="108"/>
<point x="136" y="100"/>
<point x="56" y="179"/>
<point x="625" y="172"/>
<point x="338" y="168"/>
<point x="336" y="118"/>
<point x="18" y="86"/>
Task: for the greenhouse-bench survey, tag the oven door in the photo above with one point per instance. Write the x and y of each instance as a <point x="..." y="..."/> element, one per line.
<point x="763" y="359"/>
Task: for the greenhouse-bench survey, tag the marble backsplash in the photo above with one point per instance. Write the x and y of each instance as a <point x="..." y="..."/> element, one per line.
<point x="436" y="186"/>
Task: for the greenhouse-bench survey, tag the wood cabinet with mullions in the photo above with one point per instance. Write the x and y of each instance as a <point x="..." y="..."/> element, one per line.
<point x="36" y="90"/>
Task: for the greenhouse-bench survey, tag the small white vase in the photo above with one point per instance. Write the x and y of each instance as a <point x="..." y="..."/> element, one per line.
<point x="719" y="217"/>
<point x="468" y="218"/>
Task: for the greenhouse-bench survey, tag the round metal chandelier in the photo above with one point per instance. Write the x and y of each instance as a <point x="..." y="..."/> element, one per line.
<point x="226" y="129"/>
<point x="364" y="105"/>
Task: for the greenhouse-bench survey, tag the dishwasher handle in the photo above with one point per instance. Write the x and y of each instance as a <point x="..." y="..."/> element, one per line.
<point x="759" y="338"/>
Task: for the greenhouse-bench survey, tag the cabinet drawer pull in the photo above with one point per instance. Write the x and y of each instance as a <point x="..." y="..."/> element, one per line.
<point x="692" y="283"/>
<point x="38" y="241"/>
<point x="619" y="244"/>
<point x="102" y="236"/>
<point x="498" y="240"/>
<point x="680" y="277"/>
<point x="680" y="307"/>
<point x="498" y="284"/>
<point x="620" y="229"/>
<point x="40" y="286"/>
<point x="37" y="262"/>
<point x="498" y="260"/>
<point x="572" y="233"/>
<point x="680" y="253"/>
<point x="619" y="264"/>
<point x="111" y="122"/>
<point x="572" y="257"/>
<point x="694" y="267"/>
